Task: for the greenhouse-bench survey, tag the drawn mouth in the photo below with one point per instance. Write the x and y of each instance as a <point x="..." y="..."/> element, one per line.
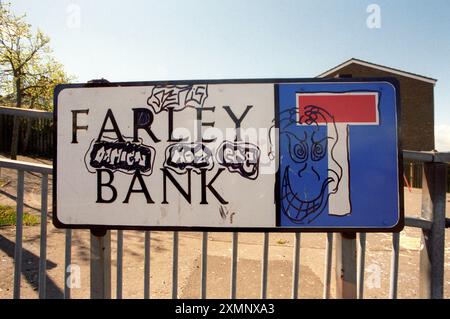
<point x="296" y="209"/>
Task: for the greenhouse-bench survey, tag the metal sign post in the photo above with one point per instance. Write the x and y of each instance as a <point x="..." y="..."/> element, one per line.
<point x="100" y="264"/>
<point x="345" y="265"/>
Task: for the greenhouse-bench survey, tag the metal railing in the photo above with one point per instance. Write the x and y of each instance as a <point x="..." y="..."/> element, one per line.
<point x="45" y="170"/>
<point x="432" y="224"/>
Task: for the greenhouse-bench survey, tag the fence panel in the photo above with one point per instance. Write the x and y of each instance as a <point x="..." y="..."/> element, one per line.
<point x="40" y="136"/>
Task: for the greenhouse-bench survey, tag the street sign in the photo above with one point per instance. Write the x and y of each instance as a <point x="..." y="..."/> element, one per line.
<point x="229" y="155"/>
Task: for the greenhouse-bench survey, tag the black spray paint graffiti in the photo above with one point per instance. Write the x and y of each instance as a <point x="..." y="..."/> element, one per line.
<point x="126" y="157"/>
<point x="183" y="156"/>
<point x="239" y="157"/>
<point x="309" y="180"/>
<point x="177" y="97"/>
<point x="225" y="213"/>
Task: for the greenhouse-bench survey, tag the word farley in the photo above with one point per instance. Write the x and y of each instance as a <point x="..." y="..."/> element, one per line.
<point x="111" y="151"/>
<point x="247" y="154"/>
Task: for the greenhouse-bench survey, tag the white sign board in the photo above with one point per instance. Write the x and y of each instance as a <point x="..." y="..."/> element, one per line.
<point x="166" y="155"/>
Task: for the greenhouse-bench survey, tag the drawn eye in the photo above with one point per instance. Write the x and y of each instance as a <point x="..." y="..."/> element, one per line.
<point x="299" y="152"/>
<point x="318" y="150"/>
<point x="298" y="149"/>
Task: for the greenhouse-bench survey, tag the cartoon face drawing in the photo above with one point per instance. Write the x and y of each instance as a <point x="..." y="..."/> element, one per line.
<point x="307" y="180"/>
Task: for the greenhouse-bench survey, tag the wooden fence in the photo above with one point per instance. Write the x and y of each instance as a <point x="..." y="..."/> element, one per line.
<point x="40" y="139"/>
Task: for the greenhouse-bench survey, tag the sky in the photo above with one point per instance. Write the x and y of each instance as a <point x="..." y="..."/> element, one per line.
<point x="138" y="40"/>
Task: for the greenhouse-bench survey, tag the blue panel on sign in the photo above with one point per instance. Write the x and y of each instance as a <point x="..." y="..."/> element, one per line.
<point x="338" y="155"/>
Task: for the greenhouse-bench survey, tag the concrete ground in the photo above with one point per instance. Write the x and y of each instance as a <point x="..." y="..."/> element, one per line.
<point x="377" y="269"/>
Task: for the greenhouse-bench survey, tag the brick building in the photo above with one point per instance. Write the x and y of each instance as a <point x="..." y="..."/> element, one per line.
<point x="416" y="100"/>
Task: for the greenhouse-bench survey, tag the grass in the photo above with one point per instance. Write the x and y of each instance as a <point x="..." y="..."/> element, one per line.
<point x="8" y="217"/>
<point x="3" y="181"/>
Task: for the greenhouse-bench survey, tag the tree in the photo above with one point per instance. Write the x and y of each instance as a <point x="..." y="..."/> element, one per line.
<point x="40" y="82"/>
<point x="28" y="72"/>
<point x="38" y="91"/>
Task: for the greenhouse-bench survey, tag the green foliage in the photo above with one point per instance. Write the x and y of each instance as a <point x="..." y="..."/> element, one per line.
<point x="28" y="72"/>
<point x="46" y="75"/>
<point x="8" y="217"/>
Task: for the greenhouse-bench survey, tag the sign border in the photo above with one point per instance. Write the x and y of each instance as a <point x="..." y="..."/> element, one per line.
<point x="276" y="81"/>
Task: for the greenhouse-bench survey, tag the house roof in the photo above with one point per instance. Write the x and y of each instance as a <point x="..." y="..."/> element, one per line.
<point x="378" y="67"/>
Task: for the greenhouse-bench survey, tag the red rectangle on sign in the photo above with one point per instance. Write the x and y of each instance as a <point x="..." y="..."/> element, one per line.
<point x="344" y="107"/>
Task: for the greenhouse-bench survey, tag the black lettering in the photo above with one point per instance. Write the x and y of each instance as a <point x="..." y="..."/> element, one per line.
<point x="115" y="129"/>
<point x="75" y="126"/>
<point x="210" y="187"/>
<point x="143" y="119"/>
<point x="137" y="175"/>
<point x="237" y="121"/>
<point x="200" y="124"/>
<point x="186" y="195"/>
<point x="170" y="109"/>
<point x="101" y="184"/>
